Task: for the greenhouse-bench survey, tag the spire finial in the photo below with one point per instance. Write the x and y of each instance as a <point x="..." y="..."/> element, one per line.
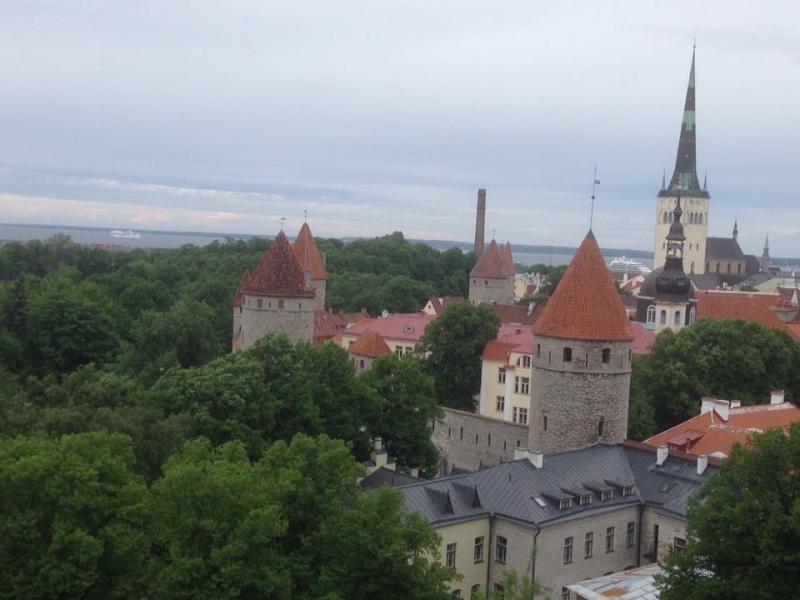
<point x="305" y="216"/>
<point x="595" y="183"/>
<point x="664" y="179"/>
<point x="283" y="220"/>
<point x="494" y="233"/>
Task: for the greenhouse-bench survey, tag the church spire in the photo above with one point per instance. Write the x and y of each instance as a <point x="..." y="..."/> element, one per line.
<point x="685" y="179"/>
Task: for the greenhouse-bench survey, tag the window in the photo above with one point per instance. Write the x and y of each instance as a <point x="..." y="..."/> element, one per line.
<point x="409" y="350"/>
<point x="692" y="315"/>
<point x="514" y="414"/>
<point x="456" y="593"/>
<point x="544" y="421"/>
<point x="502" y="547"/>
<point x="610" y="539"/>
<point x="717" y="271"/>
<point x="663" y="318"/>
<point x="588" y="544"/>
<point x="259" y="303"/>
<point x="691" y="268"/>
<point x="361" y="364"/>
<point x="631" y="534"/>
<point x="516" y="385"/>
<point x="679" y="545"/>
<point x="477" y="553"/>
<point x="398" y="351"/>
<point x="299" y="305"/>
<point x="567" y="550"/>
<point x="627" y="490"/>
<point x="280" y="303"/>
<point x="450" y="560"/>
<point x="565" y="504"/>
<point x="461" y="434"/>
<point x="526" y="360"/>
<point x="501" y="403"/>
<point x="567" y="354"/>
<point x="499" y="592"/>
<point x="677" y="317"/>
<point x="488" y="439"/>
<point x="477" y="437"/>
<point x="564" y="593"/>
<point x="586" y="500"/>
<point x="606" y="355"/>
<point x="538" y="351"/>
<point x="525" y="385"/>
<point x="501" y="375"/>
<point x="606" y="494"/>
<point x="651" y="314"/>
<point x="475" y="591"/>
<point x="523" y="416"/>
<point x="601" y="426"/>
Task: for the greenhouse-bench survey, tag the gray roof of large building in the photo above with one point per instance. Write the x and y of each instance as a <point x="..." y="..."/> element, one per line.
<point x="706" y="281"/>
<point x="758" y="279"/>
<point x="384" y="476"/>
<point x="723" y="249"/>
<point x="510" y="489"/>
<point x="752" y="264"/>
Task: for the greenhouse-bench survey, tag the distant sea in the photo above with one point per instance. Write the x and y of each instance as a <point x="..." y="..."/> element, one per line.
<point x="527" y="255"/>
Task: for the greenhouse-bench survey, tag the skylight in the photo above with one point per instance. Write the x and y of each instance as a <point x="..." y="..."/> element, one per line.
<point x="540" y="501"/>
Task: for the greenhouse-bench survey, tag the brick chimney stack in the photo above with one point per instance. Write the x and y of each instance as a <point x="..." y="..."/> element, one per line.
<point x="480" y="222"/>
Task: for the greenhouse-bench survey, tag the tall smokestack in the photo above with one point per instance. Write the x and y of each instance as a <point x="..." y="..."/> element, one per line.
<point x="480" y="222"/>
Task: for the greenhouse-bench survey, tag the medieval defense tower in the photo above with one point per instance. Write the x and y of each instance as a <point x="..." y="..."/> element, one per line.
<point x="685" y="183"/>
<point x="313" y="264"/>
<point x="582" y="360"/>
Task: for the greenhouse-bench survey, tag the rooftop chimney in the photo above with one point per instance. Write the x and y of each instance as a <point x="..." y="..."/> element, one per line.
<point x="702" y="464"/>
<point x="480" y="222"/>
<point x="776" y="397"/>
<point x="736" y="404"/>
<point x="721" y="407"/>
<point x="531" y="306"/>
<point x="662" y="452"/>
<point x="536" y="458"/>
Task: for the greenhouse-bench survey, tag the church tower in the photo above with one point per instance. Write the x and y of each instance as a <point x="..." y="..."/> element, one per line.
<point x="765" y="256"/>
<point x="582" y="360"/>
<point x="686" y="184"/>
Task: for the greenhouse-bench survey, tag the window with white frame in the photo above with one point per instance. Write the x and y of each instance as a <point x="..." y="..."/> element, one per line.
<point x="526" y="360"/>
<point x="475" y="592"/>
<point x="679" y="544"/>
<point x="450" y="556"/>
<point x="588" y="544"/>
<point x="523" y="416"/>
<point x="630" y="534"/>
<point x="524" y="385"/>
<point x="501" y="549"/>
<point x="501" y="403"/>
<point x="477" y="553"/>
<point x="606" y="494"/>
<point x="501" y="375"/>
<point x="514" y="414"/>
<point x="610" y="539"/>
<point x="567" y="550"/>
<point x="651" y="314"/>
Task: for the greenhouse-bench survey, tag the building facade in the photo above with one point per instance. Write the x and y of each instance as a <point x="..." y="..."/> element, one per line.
<point x="492" y="278"/>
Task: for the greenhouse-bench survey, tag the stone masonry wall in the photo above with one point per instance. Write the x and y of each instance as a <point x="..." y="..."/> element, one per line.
<point x="499" y="291"/>
<point x="575" y="396"/>
<point x="470" y="441"/>
<point x="668" y="529"/>
<point x="295" y="319"/>
<point x="319" y="286"/>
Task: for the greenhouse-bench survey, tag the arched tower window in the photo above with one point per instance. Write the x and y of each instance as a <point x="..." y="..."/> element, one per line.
<point x="708" y="267"/>
<point x="663" y="317"/>
<point x="739" y="269"/>
<point x="692" y="315"/>
<point x="567" y="354"/>
<point x="729" y="267"/>
<point x="691" y="268"/>
<point x="677" y="318"/>
<point x="538" y="351"/>
<point x="606" y="355"/>
<point x="651" y="314"/>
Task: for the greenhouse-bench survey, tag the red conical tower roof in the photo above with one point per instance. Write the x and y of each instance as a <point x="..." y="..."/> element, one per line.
<point x="278" y="274"/>
<point x="509" y="260"/>
<point x="586" y="304"/>
<point x="371" y="345"/>
<point x="492" y="264"/>
<point x="305" y="248"/>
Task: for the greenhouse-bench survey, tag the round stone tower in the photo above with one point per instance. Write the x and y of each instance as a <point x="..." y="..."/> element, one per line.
<point x="582" y="360"/>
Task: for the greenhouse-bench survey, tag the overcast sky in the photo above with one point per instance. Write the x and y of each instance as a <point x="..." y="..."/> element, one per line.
<point x="380" y="115"/>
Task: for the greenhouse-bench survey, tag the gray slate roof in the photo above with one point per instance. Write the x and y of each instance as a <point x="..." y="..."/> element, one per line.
<point x="509" y="489"/>
<point x="384" y="476"/>
<point x="723" y="249"/>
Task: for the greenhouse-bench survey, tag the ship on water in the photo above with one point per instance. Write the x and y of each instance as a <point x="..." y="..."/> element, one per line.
<point x="125" y="233"/>
<point x="623" y="264"/>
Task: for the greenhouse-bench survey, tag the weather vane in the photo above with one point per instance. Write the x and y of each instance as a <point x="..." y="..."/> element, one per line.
<point x="283" y="220"/>
<point x="595" y="183"/>
<point x="305" y="216"/>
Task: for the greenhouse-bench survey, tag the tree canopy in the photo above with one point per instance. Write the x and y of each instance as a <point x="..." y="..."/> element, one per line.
<point x="744" y="527"/>
<point x="454" y="343"/>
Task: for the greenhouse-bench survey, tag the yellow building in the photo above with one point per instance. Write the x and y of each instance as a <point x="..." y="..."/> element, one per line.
<point x="402" y="332"/>
<point x="507" y="374"/>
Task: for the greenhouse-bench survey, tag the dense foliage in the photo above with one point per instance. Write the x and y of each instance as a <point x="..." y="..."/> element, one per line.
<point x="453" y="344"/>
<point x="724" y="359"/>
<point x="744" y="527"/>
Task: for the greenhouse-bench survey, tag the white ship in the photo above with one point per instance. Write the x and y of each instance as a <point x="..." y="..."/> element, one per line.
<point x="125" y="233"/>
<point x="622" y="264"/>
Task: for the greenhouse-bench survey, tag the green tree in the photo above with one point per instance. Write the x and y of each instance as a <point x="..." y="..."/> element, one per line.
<point x="72" y="518"/>
<point x="725" y="359"/>
<point x="454" y="343"/>
<point x="743" y="527"/>
<point x="215" y="523"/>
<point x="407" y="408"/>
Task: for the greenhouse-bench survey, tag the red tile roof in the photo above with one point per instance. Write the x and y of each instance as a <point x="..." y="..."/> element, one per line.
<point x="327" y="325"/>
<point x="398" y="326"/>
<point x="493" y="263"/>
<point x="511" y="337"/>
<point x="305" y="248"/>
<point x="371" y="345"/>
<point x="586" y="304"/>
<point x="643" y="338"/>
<point x="277" y="274"/>
<point x="518" y="313"/>
<point x="709" y="432"/>
<point x="738" y="305"/>
<point x="439" y="304"/>
<point x="508" y="260"/>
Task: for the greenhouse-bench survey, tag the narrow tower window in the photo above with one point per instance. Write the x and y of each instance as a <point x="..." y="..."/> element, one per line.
<point x="677" y="318"/>
<point x="663" y="317"/>
<point x="600" y="427"/>
<point x="606" y="355"/>
<point x="567" y="354"/>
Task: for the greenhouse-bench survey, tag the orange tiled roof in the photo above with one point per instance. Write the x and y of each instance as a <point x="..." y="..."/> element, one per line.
<point x="493" y="263"/>
<point x="398" y="326"/>
<point x="371" y="345"/>
<point x="586" y="304"/>
<point x="308" y="254"/>
<point x="511" y="337"/>
<point x="327" y="325"/>
<point x="738" y="305"/>
<point x="439" y="304"/>
<point x="517" y="313"/>
<point x="718" y="435"/>
<point x="508" y="260"/>
<point x="277" y="274"/>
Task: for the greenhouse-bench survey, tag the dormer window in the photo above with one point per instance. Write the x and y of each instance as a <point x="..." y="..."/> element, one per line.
<point x="565" y="504"/>
<point x="586" y="500"/>
<point x="627" y="490"/>
<point x="606" y="494"/>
